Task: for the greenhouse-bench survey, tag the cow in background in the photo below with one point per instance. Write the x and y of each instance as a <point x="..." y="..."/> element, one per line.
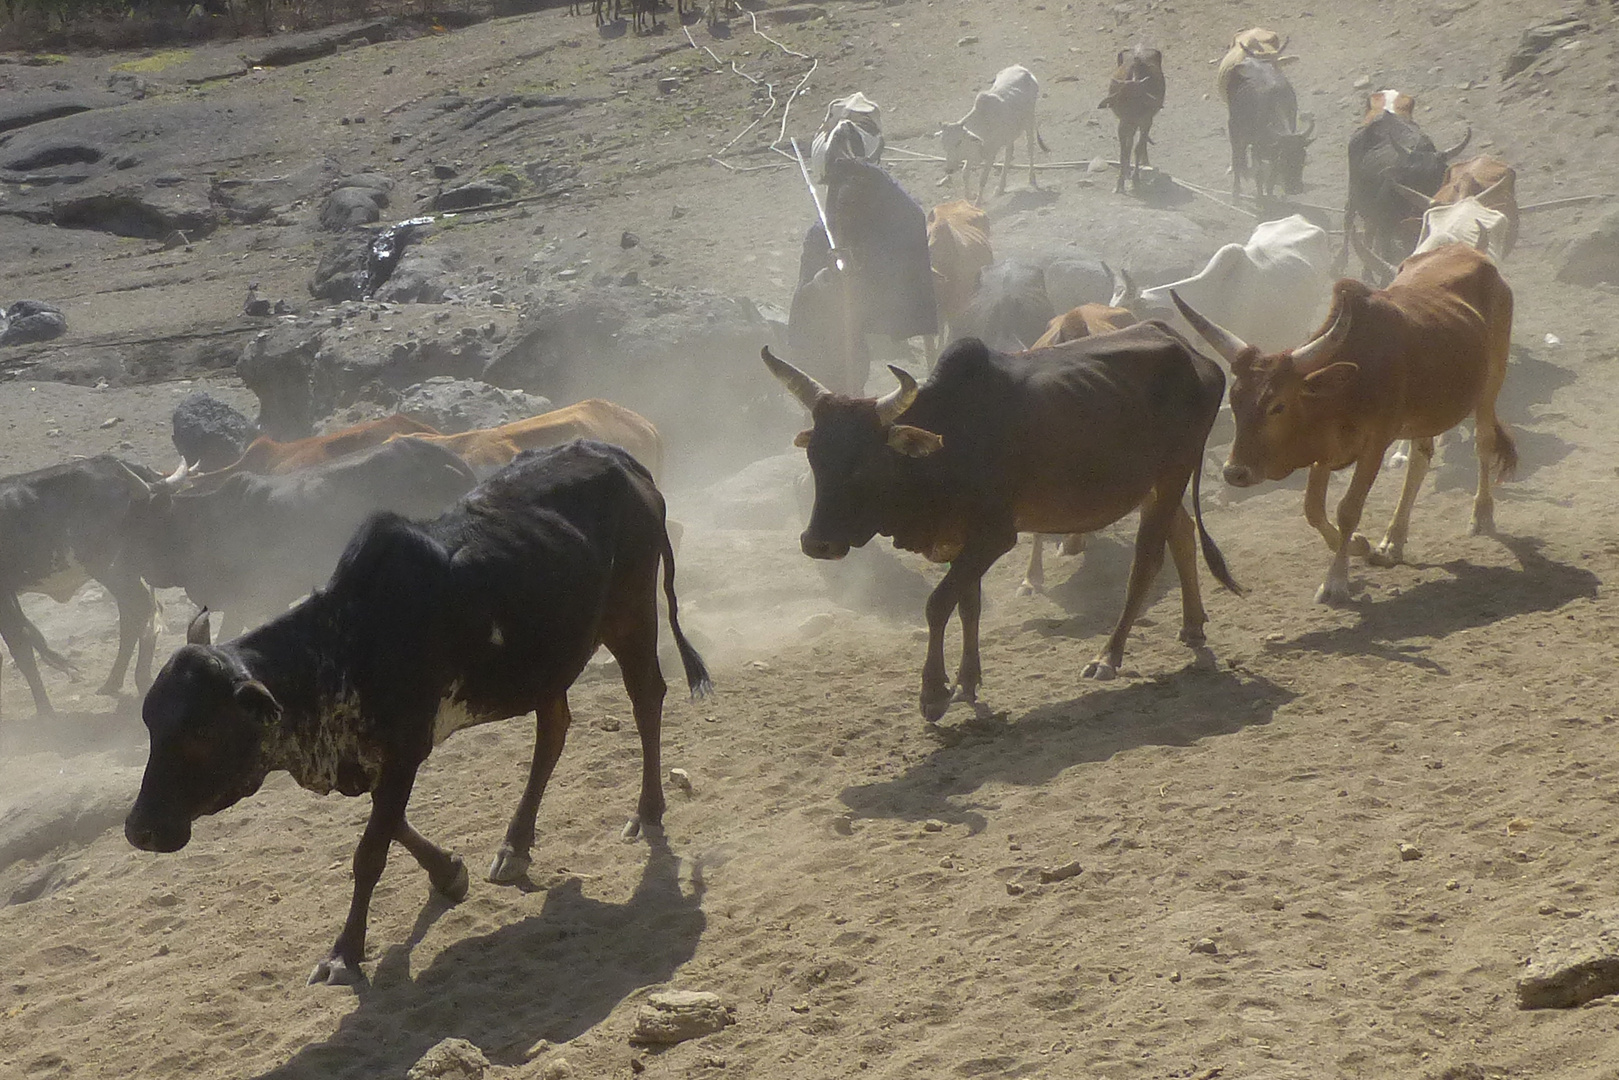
<point x="1262" y="112"/>
<point x="1256" y="42"/>
<point x="1385" y="154"/>
<point x="487" y="450"/>
<point x="959" y="251"/>
<point x="1397" y="102"/>
<point x="1135" y="94"/>
<point x="998" y="116"/>
<point x="1410" y="361"/>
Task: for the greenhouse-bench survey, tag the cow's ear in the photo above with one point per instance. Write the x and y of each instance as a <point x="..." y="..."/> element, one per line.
<point x="1332" y="379"/>
<point x="913" y="441"/>
<point x="802" y="439"/>
<point x="197" y="632"/>
<point x="254" y="697"/>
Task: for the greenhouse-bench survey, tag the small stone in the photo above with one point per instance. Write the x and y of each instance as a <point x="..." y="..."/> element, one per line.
<point x="668" y="85"/>
<point x="672" y="1016"/>
<point x="628" y="240"/>
<point x="681" y="779"/>
<point x="800" y="1007"/>
<point x="970" y="39"/>
<point x="1277" y="903"/>
<point x="1048" y="874"/>
<point x="1410" y="852"/>
<point x="54" y="433"/>
<point x="1363" y="83"/>
<point x="1547" y="909"/>
<point x="445" y="172"/>
<point x="1205" y="946"/>
<point x="933" y="825"/>
<point x="630" y="277"/>
<point x="556" y="1069"/>
<point x="162" y="950"/>
<point x="676" y="212"/>
<point x="569" y="274"/>
<point x="111" y="421"/>
<point x="1174" y="976"/>
<point x="609" y="723"/>
<point x="843" y="825"/>
<point x="1014" y="889"/>
<point x="450" y="1059"/>
<point x="1452" y="885"/>
<point x="637" y="1066"/>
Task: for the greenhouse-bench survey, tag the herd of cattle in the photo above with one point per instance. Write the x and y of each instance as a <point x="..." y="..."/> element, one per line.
<point x="1038" y="417"/>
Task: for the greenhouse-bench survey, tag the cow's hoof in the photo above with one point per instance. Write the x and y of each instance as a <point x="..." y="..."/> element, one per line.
<point x="1100" y="670"/>
<point x="1332" y="592"/>
<point x="634" y="829"/>
<point x="508" y="866"/>
<point x="1481" y="525"/>
<point x="934" y="704"/>
<point x="1385" y="555"/>
<point x="1193" y="636"/>
<point x="335" y="971"/>
<point x="455" y="889"/>
<point x="109" y="690"/>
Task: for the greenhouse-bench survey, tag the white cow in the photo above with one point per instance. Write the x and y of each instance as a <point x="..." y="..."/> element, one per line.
<point x="998" y="116"/>
<point x="1466" y="222"/>
<point x="1275" y="287"/>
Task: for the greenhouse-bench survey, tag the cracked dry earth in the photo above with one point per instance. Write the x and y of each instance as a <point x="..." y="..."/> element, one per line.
<point x="864" y="889"/>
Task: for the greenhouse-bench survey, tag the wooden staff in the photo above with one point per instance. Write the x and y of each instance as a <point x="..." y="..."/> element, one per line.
<point x="840" y="266"/>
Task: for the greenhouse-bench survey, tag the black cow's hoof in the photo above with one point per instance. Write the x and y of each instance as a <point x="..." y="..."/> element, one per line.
<point x="508" y="866"/>
<point x="335" y="971"/>
<point x="455" y="889"/>
<point x="934" y="704"/>
<point x="1099" y="670"/>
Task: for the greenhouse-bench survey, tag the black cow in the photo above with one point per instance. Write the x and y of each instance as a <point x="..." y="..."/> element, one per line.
<point x="1011" y="308"/>
<point x="254" y="544"/>
<point x="1262" y="116"/>
<point x="1135" y="94"/>
<point x="1386" y="154"/>
<point x="887" y="287"/>
<point x="1066" y="439"/>
<point x="489" y="611"/>
<point x="61" y="527"/>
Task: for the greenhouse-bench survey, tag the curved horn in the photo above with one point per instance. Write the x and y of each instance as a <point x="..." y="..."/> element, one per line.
<point x="174" y="481"/>
<point x="897" y="400"/>
<point x="1226" y="343"/>
<point x="1317" y="353"/>
<point x="808" y="392"/>
<point x="1309" y="131"/>
<point x="1124" y="290"/>
<point x="197" y="632"/>
<point x="1413" y="196"/>
<point x="1370" y="258"/>
<point x="1453" y="151"/>
<point x="1491" y="190"/>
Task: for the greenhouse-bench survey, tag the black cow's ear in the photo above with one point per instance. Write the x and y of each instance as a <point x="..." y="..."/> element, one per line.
<point x="913" y="441"/>
<point x="255" y="697"/>
<point x="802" y="439"/>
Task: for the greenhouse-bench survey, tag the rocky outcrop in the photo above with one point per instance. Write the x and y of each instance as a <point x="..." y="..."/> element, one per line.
<point x="28" y="321"/>
<point x="209" y="433"/>
<point x="1593" y="258"/>
<point x="453" y="405"/>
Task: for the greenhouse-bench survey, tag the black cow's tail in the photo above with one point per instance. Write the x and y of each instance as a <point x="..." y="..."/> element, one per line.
<point x="1211" y="553"/>
<point x="696" y="671"/>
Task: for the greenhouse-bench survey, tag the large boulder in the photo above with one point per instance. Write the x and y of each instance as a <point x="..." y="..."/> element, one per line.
<point x="358" y="200"/>
<point x="1594" y="257"/>
<point x="453" y="405"/>
<point x="209" y="433"/>
<point x="28" y="321"/>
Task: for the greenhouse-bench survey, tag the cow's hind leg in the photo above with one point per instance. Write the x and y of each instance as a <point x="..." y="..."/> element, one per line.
<point x="1392" y="549"/>
<point x="136" y="608"/>
<point x="551" y="720"/>
<point x="637" y="654"/>
<point x="1034" y="578"/>
<point x="1157" y="522"/>
<point x="1183" y="549"/>
<point x="15" y="632"/>
<point x="1126" y="131"/>
<point x="445" y="870"/>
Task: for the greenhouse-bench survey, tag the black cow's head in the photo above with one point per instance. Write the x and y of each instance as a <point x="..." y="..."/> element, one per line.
<point x="1291" y="152"/>
<point x="205" y="716"/>
<point x="855" y="452"/>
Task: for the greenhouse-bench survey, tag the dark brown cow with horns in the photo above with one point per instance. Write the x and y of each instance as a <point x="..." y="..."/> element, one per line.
<point x="1060" y="440"/>
<point x="1410" y="361"/>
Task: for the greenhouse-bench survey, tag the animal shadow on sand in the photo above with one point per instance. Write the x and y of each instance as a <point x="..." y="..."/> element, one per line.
<point x="1178" y="709"/>
<point x="1093" y="593"/>
<point x="1531" y="382"/>
<point x="553" y="976"/>
<point x="1472" y="596"/>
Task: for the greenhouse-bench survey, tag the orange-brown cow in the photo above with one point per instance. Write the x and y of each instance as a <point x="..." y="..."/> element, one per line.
<point x="959" y="250"/>
<point x="488" y="449"/>
<point x="1087" y="320"/>
<point x="267" y="457"/>
<point x="1410" y="361"/>
<point x="1492" y="181"/>
<point x="1379" y="102"/>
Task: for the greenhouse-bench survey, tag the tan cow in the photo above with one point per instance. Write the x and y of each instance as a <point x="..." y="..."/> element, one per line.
<point x="1410" y="361"/>
<point x="1257" y="42"/>
<point x="958" y="250"/>
<point x="486" y="450"/>
<point x="268" y="457"/>
<point x="1397" y="102"/>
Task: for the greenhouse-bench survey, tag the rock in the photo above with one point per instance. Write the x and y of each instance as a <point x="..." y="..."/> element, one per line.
<point x="1049" y="874"/>
<point x="295" y="386"/>
<point x="29" y="321"/>
<point x="1014" y="889"/>
<point x="452" y="405"/>
<point x="668" y="85"/>
<point x="257" y="307"/>
<point x="478" y="193"/>
<point x="209" y="433"/>
<point x="556" y="1069"/>
<point x="933" y="825"/>
<point x="1363" y="83"/>
<point x="51" y="806"/>
<point x="1205" y="946"/>
<point x="1594" y="257"/>
<point x="608" y="723"/>
<point x="1579" y="963"/>
<point x="672" y="1016"/>
<point x="445" y="172"/>
<point x="817" y="624"/>
<point x="139" y="213"/>
<point x="348" y="207"/>
<point x="297" y="48"/>
<point x="681" y="779"/>
<point x="1409" y="852"/>
<point x="970" y="39"/>
<point x="1537" y="39"/>
<point x="628" y="240"/>
<point x="421" y="276"/>
<point x="451" y="1059"/>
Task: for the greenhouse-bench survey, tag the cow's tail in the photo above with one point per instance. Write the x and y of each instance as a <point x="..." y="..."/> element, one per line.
<point x="1506" y="452"/>
<point x="1038" y="139"/>
<point x="1211" y="552"/>
<point x="696" y="671"/>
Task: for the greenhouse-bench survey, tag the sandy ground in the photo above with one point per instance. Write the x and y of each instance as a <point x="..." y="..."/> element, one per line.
<point x="865" y="889"/>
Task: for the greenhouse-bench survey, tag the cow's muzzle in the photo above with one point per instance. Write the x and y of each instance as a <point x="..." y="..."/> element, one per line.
<point x="822" y="549"/>
<point x="1241" y="476"/>
<point x="162" y="837"/>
